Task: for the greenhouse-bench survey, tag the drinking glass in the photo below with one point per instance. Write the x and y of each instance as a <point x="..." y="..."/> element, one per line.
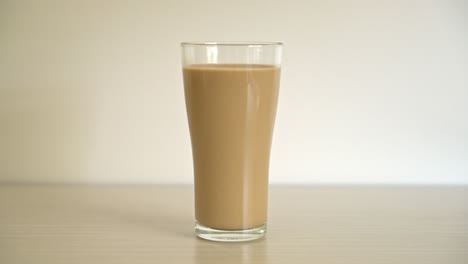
<point x="231" y="95"/>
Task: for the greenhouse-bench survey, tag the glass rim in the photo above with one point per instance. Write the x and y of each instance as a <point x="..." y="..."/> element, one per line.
<point x="231" y="43"/>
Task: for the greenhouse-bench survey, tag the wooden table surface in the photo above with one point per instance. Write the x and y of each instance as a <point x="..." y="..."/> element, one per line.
<point x="154" y="224"/>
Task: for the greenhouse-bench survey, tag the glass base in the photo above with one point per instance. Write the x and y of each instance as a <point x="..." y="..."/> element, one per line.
<point x="230" y="235"/>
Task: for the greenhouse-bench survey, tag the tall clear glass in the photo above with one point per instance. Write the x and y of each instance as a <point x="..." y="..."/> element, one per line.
<point x="231" y="94"/>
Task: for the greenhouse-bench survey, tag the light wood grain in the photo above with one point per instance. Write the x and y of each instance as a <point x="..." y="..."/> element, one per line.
<point x="154" y="224"/>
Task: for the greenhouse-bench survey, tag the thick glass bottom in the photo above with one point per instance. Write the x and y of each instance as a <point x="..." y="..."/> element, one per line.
<point x="230" y="235"/>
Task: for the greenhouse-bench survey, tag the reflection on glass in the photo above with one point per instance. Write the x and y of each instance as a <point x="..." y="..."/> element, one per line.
<point x="239" y="253"/>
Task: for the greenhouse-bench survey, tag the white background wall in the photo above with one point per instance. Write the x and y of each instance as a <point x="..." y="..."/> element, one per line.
<point x="372" y="91"/>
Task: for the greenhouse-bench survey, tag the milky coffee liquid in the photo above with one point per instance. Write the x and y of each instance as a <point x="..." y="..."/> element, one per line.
<point x="231" y="112"/>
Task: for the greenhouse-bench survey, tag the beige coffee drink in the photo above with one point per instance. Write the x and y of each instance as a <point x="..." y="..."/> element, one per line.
<point x="231" y="111"/>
